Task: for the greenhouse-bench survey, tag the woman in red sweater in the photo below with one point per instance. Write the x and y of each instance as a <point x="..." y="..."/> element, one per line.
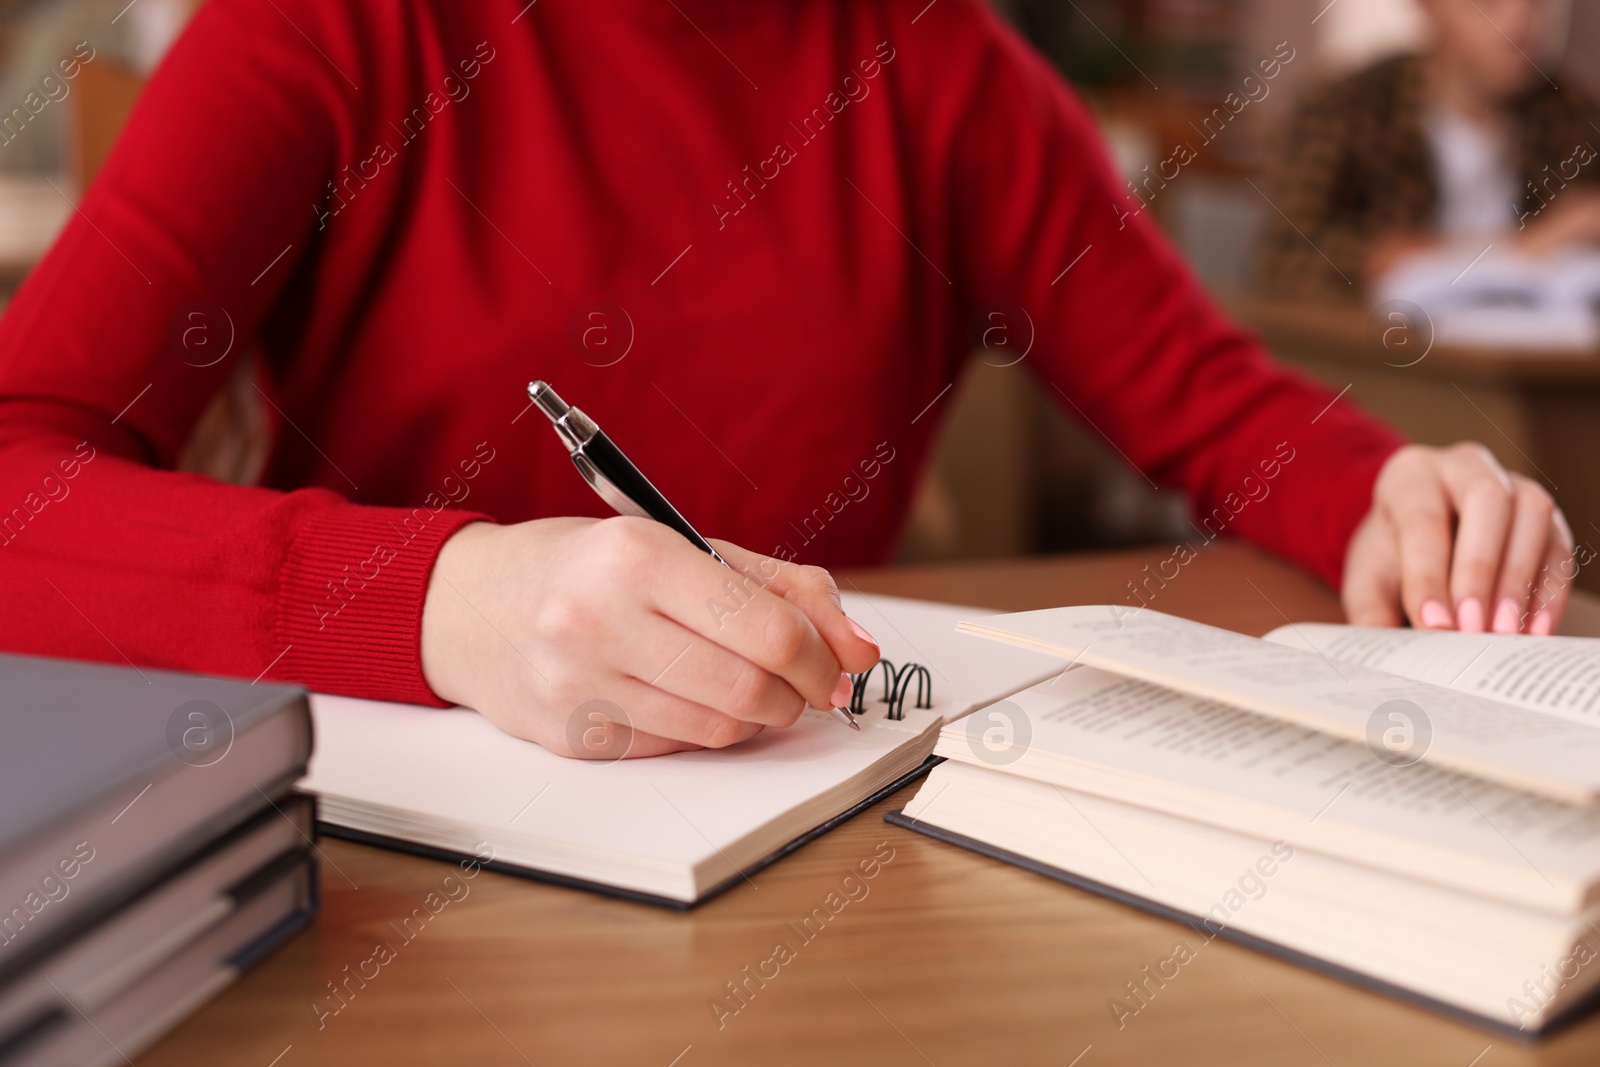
<point x="782" y="216"/>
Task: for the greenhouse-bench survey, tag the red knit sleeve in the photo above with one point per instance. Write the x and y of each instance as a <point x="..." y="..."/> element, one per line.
<point x="1125" y="337"/>
<point x="205" y="208"/>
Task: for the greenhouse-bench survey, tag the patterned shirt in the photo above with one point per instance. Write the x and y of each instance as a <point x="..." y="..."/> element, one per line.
<point x="1356" y="167"/>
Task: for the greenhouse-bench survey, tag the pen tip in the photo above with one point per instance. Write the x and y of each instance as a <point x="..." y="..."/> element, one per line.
<point x="853" y="724"/>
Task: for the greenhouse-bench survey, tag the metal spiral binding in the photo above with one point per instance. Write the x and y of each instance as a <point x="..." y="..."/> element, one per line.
<point x="896" y="687"/>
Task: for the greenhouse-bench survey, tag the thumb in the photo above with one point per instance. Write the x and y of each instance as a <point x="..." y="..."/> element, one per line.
<point x="1371" y="588"/>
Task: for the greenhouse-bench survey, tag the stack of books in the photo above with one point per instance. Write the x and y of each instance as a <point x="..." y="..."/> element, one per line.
<point x="151" y="849"/>
<point x="1415" y="812"/>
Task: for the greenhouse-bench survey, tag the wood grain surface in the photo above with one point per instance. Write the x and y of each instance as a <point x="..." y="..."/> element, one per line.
<point x="941" y="957"/>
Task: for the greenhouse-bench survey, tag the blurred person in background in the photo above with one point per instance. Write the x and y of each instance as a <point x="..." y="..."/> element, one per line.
<point x="1478" y="137"/>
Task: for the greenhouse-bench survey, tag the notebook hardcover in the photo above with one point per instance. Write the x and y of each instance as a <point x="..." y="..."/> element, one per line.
<point x="532" y="874"/>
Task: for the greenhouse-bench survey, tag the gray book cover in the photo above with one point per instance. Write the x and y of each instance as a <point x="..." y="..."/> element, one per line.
<point x="107" y="773"/>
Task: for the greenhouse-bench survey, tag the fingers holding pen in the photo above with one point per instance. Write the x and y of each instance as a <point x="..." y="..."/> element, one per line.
<point x="813" y="591"/>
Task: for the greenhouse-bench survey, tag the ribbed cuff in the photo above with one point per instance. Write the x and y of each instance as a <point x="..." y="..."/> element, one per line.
<point x="350" y="600"/>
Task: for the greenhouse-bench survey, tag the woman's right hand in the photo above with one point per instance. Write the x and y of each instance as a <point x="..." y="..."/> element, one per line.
<point x="612" y="637"/>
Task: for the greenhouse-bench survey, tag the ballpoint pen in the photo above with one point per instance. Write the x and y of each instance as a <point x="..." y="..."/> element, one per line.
<point x="619" y="483"/>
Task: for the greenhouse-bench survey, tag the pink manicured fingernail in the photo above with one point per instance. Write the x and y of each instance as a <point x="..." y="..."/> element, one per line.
<point x="1435" y="616"/>
<point x="1543" y="624"/>
<point x="842" y="691"/>
<point x="859" y="632"/>
<point x="1469" y="616"/>
<point x="1506" y="617"/>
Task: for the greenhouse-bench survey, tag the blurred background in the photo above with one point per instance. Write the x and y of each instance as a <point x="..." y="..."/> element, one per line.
<point x="1156" y="73"/>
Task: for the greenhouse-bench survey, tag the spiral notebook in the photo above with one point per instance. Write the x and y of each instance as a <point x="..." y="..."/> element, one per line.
<point x="672" y="830"/>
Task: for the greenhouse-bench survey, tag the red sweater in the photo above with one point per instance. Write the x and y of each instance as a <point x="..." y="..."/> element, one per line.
<point x="754" y="240"/>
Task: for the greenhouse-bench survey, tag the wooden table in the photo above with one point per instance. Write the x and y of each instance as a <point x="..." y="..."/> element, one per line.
<point x="1537" y="410"/>
<point x="951" y="958"/>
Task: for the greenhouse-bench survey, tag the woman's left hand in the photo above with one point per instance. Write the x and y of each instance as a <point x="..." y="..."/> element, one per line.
<point x="1455" y="542"/>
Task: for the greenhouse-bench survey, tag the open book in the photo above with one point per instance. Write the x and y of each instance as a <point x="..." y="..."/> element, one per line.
<point x="669" y="830"/>
<point x="1410" y="809"/>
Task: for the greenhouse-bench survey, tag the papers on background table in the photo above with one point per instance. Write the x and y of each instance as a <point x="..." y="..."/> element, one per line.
<point x="1485" y="295"/>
